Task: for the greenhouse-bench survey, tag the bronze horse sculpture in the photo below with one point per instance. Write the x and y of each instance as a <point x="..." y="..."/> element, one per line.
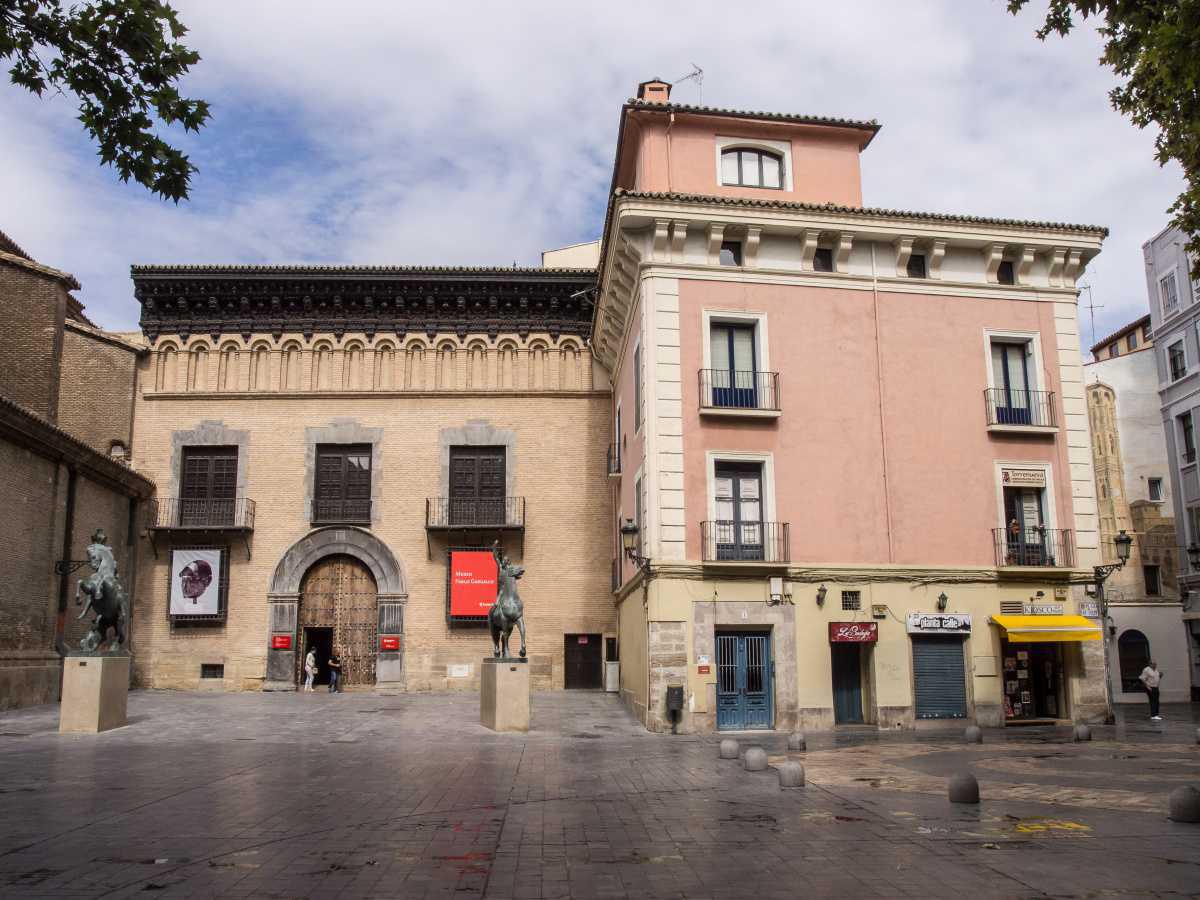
<point x="105" y="597"/>
<point x="507" y="610"/>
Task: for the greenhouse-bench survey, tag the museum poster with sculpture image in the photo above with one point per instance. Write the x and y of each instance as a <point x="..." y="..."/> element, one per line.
<point x="196" y="581"/>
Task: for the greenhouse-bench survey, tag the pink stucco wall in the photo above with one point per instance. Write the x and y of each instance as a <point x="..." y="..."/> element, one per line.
<point x="633" y="442"/>
<point x="682" y="158"/>
<point x="827" y="445"/>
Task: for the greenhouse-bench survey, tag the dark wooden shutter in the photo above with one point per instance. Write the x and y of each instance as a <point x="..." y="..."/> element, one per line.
<point x="208" y="486"/>
<point x="477" y="486"/>
<point x="343" y="489"/>
<point x="939" y="674"/>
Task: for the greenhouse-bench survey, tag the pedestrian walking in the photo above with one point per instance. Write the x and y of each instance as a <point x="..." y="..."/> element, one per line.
<point x="310" y="669"/>
<point x="1150" y="677"/>
<point x="335" y="673"/>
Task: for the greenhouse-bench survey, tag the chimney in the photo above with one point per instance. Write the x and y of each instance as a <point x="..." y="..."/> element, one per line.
<point x="654" y="91"/>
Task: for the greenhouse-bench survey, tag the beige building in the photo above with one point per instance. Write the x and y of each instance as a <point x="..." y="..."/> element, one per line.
<point x="322" y="439"/>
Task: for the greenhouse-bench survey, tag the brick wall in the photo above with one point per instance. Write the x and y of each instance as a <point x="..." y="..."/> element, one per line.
<point x="32" y="310"/>
<point x="96" y="389"/>
<point x="559" y="467"/>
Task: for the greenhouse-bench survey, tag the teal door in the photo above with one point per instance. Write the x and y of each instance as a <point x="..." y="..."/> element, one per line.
<point x="744" y="670"/>
<point x="847" y="683"/>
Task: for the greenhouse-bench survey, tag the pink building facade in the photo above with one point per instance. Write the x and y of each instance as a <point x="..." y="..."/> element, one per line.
<point x="853" y="442"/>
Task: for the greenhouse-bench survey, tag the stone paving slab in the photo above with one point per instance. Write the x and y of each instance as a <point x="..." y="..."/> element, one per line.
<point x="365" y="795"/>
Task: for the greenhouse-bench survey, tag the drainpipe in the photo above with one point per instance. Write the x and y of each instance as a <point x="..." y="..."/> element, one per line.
<point x="887" y="496"/>
<point x="670" y="125"/>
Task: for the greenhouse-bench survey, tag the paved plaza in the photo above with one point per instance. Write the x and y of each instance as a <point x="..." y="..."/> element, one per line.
<point x="370" y="795"/>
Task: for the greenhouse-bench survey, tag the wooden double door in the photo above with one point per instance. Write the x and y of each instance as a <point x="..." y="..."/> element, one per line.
<point x="339" y="594"/>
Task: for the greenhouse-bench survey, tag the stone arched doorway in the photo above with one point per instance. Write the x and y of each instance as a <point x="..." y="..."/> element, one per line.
<point x="385" y="630"/>
<point x="338" y="610"/>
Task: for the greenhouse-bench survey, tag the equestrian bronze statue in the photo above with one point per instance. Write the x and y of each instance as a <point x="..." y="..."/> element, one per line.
<point x="507" y="610"/>
<point x="105" y="597"/>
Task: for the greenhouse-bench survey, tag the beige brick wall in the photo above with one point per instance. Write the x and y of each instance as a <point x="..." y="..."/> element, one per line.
<point x="95" y="401"/>
<point x="32" y="310"/>
<point x="559" y="468"/>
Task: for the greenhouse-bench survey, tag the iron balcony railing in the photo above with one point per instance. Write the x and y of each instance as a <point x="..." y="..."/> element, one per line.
<point x="614" y="459"/>
<point x="1008" y="407"/>
<point x="341" y="512"/>
<point x="723" y="389"/>
<point x="745" y="541"/>
<point x="1045" y="547"/>
<point x="185" y="513"/>
<point x="498" y="512"/>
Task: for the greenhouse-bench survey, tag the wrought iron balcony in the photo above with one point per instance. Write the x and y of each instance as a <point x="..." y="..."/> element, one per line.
<point x="185" y="514"/>
<point x="1044" y="547"/>
<point x="1020" y="408"/>
<point x="726" y="541"/>
<point x="447" y="513"/>
<point x="341" y="512"/>
<point x="614" y="459"/>
<point x="724" y="391"/>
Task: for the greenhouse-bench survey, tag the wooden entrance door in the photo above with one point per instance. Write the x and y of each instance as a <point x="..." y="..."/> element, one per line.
<point x="338" y="592"/>
<point x="582" y="662"/>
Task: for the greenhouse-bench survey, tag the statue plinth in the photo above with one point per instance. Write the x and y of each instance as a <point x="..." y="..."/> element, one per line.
<point x="95" y="692"/>
<point x="504" y="694"/>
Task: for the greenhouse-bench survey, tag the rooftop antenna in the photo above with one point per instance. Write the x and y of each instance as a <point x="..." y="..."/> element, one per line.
<point x="1092" y="307"/>
<point x="696" y="75"/>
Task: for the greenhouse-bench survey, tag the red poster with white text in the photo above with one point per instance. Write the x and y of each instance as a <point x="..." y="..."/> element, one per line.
<point x="472" y="582"/>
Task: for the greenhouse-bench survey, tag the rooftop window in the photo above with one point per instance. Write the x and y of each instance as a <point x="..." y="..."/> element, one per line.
<point x="751" y="168"/>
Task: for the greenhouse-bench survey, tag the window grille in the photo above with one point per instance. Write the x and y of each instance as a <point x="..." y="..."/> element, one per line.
<point x="851" y="599"/>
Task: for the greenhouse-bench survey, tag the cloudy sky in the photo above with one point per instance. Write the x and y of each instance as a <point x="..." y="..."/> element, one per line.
<point x="464" y="133"/>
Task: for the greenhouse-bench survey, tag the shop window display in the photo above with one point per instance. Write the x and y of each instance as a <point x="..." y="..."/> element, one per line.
<point x="1033" y="682"/>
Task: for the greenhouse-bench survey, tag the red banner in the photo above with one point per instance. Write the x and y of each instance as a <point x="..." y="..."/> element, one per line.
<point x="472" y="582"/>
<point x="281" y="642"/>
<point x="854" y="632"/>
<point x="389" y="643"/>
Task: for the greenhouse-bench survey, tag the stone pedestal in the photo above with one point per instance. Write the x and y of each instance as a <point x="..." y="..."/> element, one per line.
<point x="94" y="693"/>
<point x="504" y="694"/>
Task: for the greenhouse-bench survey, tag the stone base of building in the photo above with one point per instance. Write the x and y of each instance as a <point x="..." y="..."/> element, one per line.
<point x="504" y="695"/>
<point x="29" y="678"/>
<point x="95" y="693"/>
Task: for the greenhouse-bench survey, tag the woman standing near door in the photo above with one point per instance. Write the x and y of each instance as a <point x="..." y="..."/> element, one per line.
<point x="310" y="669"/>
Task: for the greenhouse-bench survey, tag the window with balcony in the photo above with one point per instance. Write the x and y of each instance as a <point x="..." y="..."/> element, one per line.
<point x="477" y="486"/>
<point x="1013" y="398"/>
<point x="1026" y="539"/>
<point x="208" y="487"/>
<point x="1187" y="437"/>
<point x="746" y="167"/>
<point x="1168" y="293"/>
<point x="738" y="529"/>
<point x="1177" y="360"/>
<point x="343" y="484"/>
<point x="734" y="379"/>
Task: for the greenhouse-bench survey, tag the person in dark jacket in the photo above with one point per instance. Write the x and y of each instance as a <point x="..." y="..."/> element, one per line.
<point x="335" y="673"/>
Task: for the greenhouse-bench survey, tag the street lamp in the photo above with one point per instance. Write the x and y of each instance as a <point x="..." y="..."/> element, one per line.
<point x="1100" y="574"/>
<point x="629" y="540"/>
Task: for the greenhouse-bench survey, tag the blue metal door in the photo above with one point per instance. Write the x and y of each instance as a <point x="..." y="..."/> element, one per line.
<point x="847" y="683"/>
<point x="744" y="670"/>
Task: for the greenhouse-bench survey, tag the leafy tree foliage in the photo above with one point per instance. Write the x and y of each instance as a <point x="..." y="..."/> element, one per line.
<point x="122" y="59"/>
<point x="1154" y="45"/>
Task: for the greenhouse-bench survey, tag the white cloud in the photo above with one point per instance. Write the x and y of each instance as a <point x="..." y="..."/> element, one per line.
<point x="481" y="133"/>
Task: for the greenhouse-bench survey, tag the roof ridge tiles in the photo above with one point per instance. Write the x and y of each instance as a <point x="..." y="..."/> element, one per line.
<point x="871" y="125"/>
<point x="225" y="268"/>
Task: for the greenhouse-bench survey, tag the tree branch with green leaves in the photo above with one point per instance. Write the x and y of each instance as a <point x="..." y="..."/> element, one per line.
<point x="122" y="60"/>
<point x="1154" y="46"/>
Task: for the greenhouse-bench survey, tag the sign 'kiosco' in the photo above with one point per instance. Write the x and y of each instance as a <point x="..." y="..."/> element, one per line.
<point x="938" y="623"/>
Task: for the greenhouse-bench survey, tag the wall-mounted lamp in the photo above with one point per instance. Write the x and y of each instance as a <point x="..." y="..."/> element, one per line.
<point x="629" y="540"/>
<point x="942" y="600"/>
<point x="821" y="592"/>
<point x="1040" y="594"/>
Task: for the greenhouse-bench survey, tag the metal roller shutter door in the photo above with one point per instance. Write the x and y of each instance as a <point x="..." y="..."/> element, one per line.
<point x="941" y="690"/>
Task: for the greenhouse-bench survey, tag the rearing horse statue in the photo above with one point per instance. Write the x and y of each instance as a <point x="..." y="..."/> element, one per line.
<point x="507" y="610"/>
<point x="105" y="596"/>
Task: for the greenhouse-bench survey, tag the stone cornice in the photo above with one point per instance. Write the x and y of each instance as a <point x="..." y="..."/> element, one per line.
<point x="246" y="300"/>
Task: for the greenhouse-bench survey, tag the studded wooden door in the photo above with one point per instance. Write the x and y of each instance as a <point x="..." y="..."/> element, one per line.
<point x="339" y="593"/>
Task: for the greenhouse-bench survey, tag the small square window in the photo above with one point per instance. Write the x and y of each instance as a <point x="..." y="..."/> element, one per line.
<point x="851" y="599"/>
<point x="1004" y="274"/>
<point x="916" y="266"/>
<point x="731" y="253"/>
<point x="1131" y="341"/>
<point x="1155" y="487"/>
<point x="823" y="260"/>
<point x="1114" y="350"/>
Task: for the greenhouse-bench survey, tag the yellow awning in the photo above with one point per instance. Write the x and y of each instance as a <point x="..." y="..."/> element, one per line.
<point x="1035" y="629"/>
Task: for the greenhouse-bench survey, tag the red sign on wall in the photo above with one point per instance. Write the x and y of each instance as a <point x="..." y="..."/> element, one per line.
<point x="472" y="582"/>
<point x="389" y="643"/>
<point x="854" y="632"/>
<point x="281" y="642"/>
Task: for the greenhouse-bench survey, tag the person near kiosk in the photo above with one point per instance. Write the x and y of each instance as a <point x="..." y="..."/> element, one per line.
<point x="1150" y="677"/>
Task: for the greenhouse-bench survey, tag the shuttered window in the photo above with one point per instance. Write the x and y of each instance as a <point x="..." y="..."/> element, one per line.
<point x="208" y="486"/>
<point x="940" y="684"/>
<point x="343" y="490"/>
<point x="477" y="486"/>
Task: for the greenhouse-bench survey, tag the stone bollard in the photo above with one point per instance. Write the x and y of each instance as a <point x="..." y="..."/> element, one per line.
<point x="756" y="759"/>
<point x="796" y="741"/>
<point x="1184" y="804"/>
<point x="791" y="775"/>
<point x="1082" y="733"/>
<point x="729" y="749"/>
<point x="973" y="734"/>
<point x="963" y="788"/>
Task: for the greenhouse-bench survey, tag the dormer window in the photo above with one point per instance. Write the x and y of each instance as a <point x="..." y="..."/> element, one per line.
<point x="744" y="167"/>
